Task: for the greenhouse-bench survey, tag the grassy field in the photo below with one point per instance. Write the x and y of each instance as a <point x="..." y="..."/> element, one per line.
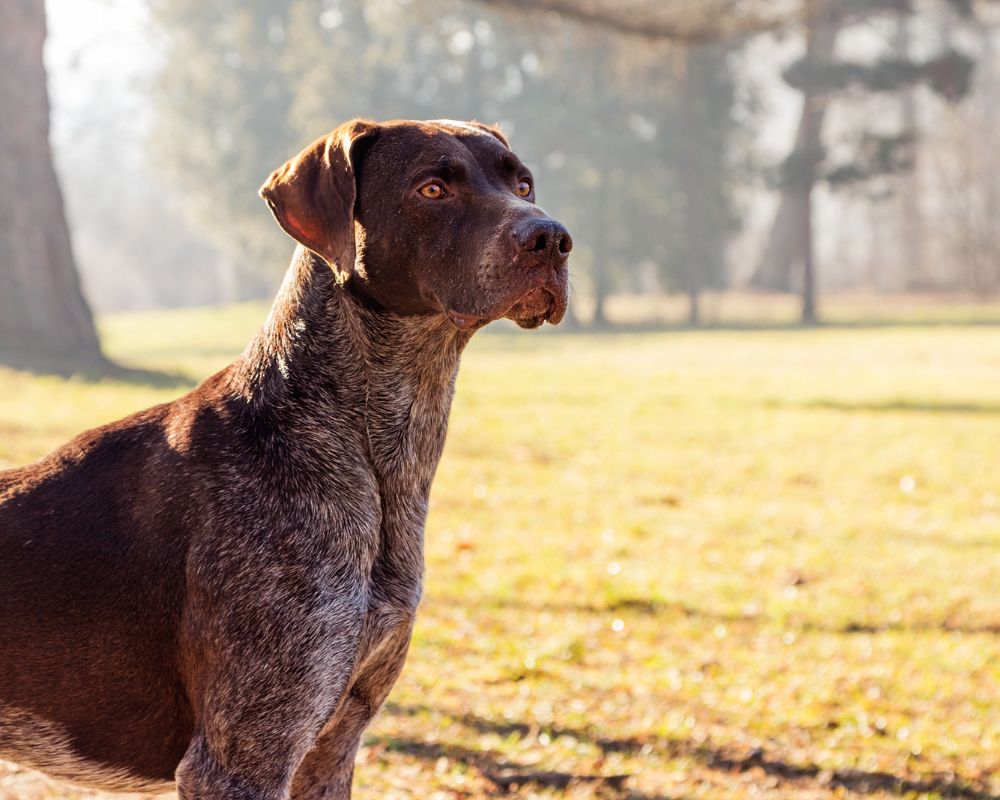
<point x="724" y="564"/>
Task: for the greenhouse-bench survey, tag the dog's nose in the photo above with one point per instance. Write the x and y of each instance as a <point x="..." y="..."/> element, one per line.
<point x="543" y="237"/>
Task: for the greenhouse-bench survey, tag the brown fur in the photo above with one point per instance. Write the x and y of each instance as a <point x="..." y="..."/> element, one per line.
<point x="220" y="590"/>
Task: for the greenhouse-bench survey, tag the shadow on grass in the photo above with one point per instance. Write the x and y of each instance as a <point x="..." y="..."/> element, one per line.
<point x="656" y="607"/>
<point x="987" y="628"/>
<point x="724" y="759"/>
<point x="93" y="371"/>
<point x="507" y="775"/>
<point x="901" y="405"/>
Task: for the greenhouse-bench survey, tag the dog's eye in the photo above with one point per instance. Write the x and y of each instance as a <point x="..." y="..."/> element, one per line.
<point x="433" y="190"/>
<point x="523" y="188"/>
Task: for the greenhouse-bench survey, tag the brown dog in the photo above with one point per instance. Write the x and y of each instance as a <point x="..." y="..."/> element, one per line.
<point x="220" y="590"/>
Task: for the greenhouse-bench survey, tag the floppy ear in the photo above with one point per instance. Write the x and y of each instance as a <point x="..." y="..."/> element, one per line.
<point x="312" y="196"/>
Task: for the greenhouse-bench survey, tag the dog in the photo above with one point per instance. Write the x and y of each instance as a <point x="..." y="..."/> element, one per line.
<point x="218" y="593"/>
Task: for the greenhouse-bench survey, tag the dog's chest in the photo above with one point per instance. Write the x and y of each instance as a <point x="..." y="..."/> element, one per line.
<point x="405" y="449"/>
<point x="406" y="442"/>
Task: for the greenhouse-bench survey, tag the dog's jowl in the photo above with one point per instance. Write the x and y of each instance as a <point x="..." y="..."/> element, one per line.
<point x="219" y="591"/>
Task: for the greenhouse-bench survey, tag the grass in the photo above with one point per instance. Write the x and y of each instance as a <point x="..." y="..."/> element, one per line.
<point x="724" y="564"/>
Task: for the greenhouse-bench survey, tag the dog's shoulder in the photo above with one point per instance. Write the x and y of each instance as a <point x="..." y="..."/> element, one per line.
<point x="89" y="451"/>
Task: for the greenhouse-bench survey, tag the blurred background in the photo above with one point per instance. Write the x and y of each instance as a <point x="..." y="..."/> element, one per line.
<point x="733" y="529"/>
<point x="717" y="160"/>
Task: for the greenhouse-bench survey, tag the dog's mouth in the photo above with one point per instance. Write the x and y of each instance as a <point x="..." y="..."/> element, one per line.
<point x="541" y="304"/>
<point x="538" y="306"/>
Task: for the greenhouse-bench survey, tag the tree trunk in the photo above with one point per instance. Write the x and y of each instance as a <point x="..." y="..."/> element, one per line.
<point x="600" y="207"/>
<point x="786" y="245"/>
<point x="991" y="202"/>
<point x="43" y="313"/>
<point x="820" y="37"/>
<point x="691" y="185"/>
<point x="808" y="268"/>
<point x="600" y="318"/>
<point x="914" y="265"/>
<point x="601" y="245"/>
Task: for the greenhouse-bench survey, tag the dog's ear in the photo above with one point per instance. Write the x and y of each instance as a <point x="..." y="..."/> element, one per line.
<point x="312" y="196"/>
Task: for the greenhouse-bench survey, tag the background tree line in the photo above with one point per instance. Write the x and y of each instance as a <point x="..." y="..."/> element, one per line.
<point x="650" y="126"/>
<point x="611" y="130"/>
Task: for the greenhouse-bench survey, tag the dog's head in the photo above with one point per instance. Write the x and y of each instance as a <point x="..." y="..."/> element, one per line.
<point x="427" y="218"/>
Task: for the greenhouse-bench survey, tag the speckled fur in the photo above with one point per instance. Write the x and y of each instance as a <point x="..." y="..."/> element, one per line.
<point x="221" y="590"/>
<point x="305" y="493"/>
<point x="338" y="549"/>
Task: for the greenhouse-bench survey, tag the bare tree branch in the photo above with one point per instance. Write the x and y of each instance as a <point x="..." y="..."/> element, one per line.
<point x="685" y="21"/>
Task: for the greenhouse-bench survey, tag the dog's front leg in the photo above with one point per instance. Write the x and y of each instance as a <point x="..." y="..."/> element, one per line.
<point x="327" y="771"/>
<point x="274" y="667"/>
<point x="263" y="713"/>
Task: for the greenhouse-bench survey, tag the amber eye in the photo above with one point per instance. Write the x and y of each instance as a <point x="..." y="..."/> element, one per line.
<point x="523" y="188"/>
<point x="433" y="190"/>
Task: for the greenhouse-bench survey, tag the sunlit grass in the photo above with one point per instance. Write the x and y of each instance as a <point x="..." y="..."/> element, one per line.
<point x="726" y="564"/>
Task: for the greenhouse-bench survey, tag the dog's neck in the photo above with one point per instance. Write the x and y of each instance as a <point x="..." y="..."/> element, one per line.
<point x="328" y="359"/>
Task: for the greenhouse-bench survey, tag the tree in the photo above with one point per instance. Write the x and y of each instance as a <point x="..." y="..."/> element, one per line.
<point x="706" y="122"/>
<point x="694" y="23"/>
<point x="963" y="169"/>
<point x="788" y="244"/>
<point x="223" y="108"/>
<point x="821" y="77"/>
<point x="43" y="313"/>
